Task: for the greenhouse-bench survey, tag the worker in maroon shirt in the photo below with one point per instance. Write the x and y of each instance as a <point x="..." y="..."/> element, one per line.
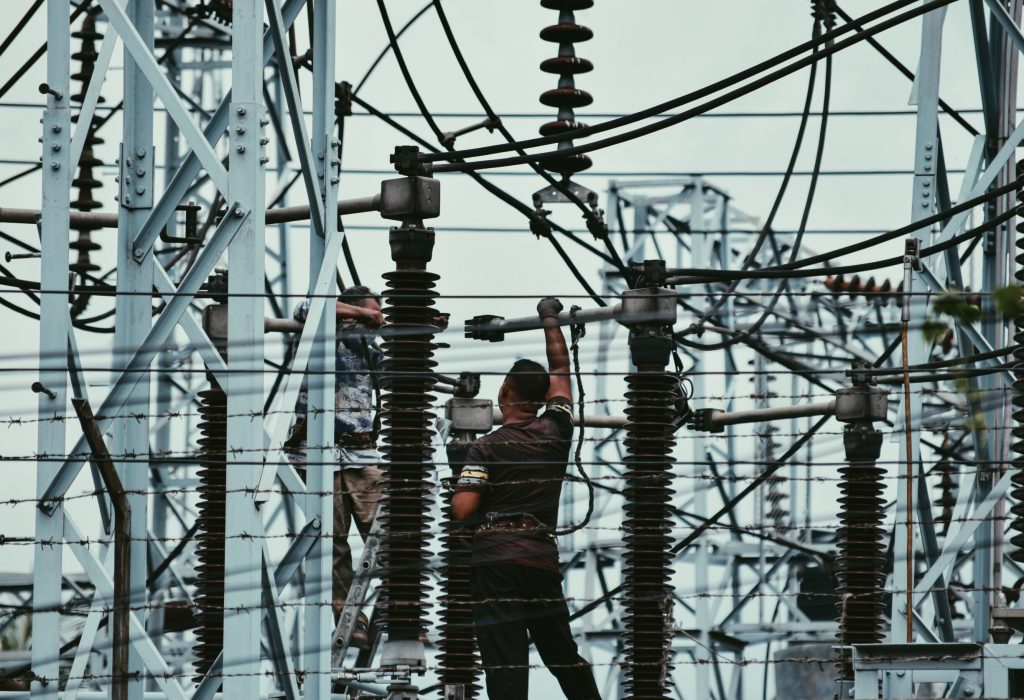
<point x="509" y="488"/>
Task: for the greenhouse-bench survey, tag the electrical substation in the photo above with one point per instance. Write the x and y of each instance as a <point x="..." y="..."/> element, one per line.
<point x="267" y="264"/>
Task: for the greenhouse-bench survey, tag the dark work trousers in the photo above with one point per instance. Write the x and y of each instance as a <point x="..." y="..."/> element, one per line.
<point x="533" y="603"/>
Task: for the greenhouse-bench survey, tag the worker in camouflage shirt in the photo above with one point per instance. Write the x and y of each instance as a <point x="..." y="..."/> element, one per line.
<point x="356" y="493"/>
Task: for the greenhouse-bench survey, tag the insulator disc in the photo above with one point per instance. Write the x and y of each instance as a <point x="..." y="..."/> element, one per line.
<point x="567" y="4"/>
<point x="566" y="33"/>
<point x="566" y="65"/>
<point x="566" y="97"/>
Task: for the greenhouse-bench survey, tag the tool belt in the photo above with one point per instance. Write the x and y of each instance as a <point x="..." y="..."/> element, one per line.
<point x="358" y="441"/>
<point x="500" y="522"/>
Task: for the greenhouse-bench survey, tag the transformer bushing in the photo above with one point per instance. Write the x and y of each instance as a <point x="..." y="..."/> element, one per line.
<point x="406" y="383"/>
<point x="860" y="565"/>
<point x="647" y="594"/>
<point x="212" y="507"/>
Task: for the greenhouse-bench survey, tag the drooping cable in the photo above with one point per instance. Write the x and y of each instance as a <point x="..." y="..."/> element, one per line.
<point x="577" y="331"/>
<point x="668" y="122"/>
<point x="714" y="87"/>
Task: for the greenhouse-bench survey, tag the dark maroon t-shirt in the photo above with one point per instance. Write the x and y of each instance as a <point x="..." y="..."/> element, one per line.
<point x="525" y="464"/>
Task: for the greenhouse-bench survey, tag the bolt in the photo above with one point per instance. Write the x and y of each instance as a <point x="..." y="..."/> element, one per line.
<point x="264" y="141"/>
<point x="55" y="147"/>
<point x="127" y="199"/>
<point x="55" y="128"/>
<point x="264" y="121"/>
<point x="238" y="212"/>
<point x="900" y="674"/>
<point x="38" y="388"/>
<point x="334" y="181"/>
<point x="320" y="155"/>
<point x="55" y="165"/>
<point x="240" y="111"/>
<point x="239" y="129"/>
<point x="240" y="148"/>
<point x="140" y="190"/>
<point x="969" y="691"/>
<point x="264" y="160"/>
<point x="45" y="89"/>
<point x="928" y="147"/>
<point x="140" y="153"/>
<point x="140" y="172"/>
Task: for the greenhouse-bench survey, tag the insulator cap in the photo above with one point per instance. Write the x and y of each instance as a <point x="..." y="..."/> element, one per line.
<point x="566" y="97"/>
<point x="566" y="33"/>
<point x="567" y="4"/>
<point x="566" y="65"/>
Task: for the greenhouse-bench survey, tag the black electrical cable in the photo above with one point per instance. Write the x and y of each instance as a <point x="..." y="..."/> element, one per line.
<point x="439" y="135"/>
<point x="754" y="483"/>
<point x="37" y="54"/>
<point x="919" y="225"/>
<point x="700" y="109"/>
<point x="887" y="55"/>
<point x="506" y="134"/>
<point x="503" y="196"/>
<point x="386" y="49"/>
<point x="577" y="332"/>
<point x="775" y="273"/>
<point x="765" y="230"/>
<point x="9" y="39"/>
<point x="700" y="93"/>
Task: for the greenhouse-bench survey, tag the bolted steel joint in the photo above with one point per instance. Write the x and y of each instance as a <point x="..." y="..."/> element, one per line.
<point x="861" y="404"/>
<point x="410" y="199"/>
<point x="703" y="420"/>
<point x="862" y="443"/>
<point x="650" y="348"/>
<point x="406" y="160"/>
<point x="468" y="385"/>
<point x="482" y="328"/>
<point x="411" y="246"/>
<point x="649" y="273"/>
<point x="650" y="305"/>
<point x="471" y="415"/>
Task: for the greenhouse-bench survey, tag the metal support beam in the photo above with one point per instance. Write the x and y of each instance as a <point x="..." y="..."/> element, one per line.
<point x="244" y="389"/>
<point x="54" y="325"/>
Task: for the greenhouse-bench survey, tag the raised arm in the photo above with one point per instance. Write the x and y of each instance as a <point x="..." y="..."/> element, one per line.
<point x="372" y="318"/>
<point x="557" y="351"/>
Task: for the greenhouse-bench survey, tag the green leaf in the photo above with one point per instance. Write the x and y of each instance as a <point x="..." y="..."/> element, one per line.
<point x="1009" y="301"/>
<point x="934" y="330"/>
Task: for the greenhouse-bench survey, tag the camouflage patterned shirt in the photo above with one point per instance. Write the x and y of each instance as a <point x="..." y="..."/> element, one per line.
<point x="356" y="355"/>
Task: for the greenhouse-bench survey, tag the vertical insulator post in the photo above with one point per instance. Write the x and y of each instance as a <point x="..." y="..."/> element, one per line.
<point x="860" y="566"/>
<point x="1017" y="433"/>
<point x="647" y="594"/>
<point x="85" y="181"/>
<point x="212" y="476"/>
<point x="406" y="383"/>
<point x="566" y="98"/>
<point x="459" y="661"/>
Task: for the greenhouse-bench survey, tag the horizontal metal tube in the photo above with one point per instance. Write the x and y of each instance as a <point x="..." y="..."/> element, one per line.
<point x="358" y="205"/>
<point x="760" y="415"/>
<point x="529" y="323"/>
<point x="279" y="215"/>
<point x="588" y="421"/>
<point x="281" y="325"/>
